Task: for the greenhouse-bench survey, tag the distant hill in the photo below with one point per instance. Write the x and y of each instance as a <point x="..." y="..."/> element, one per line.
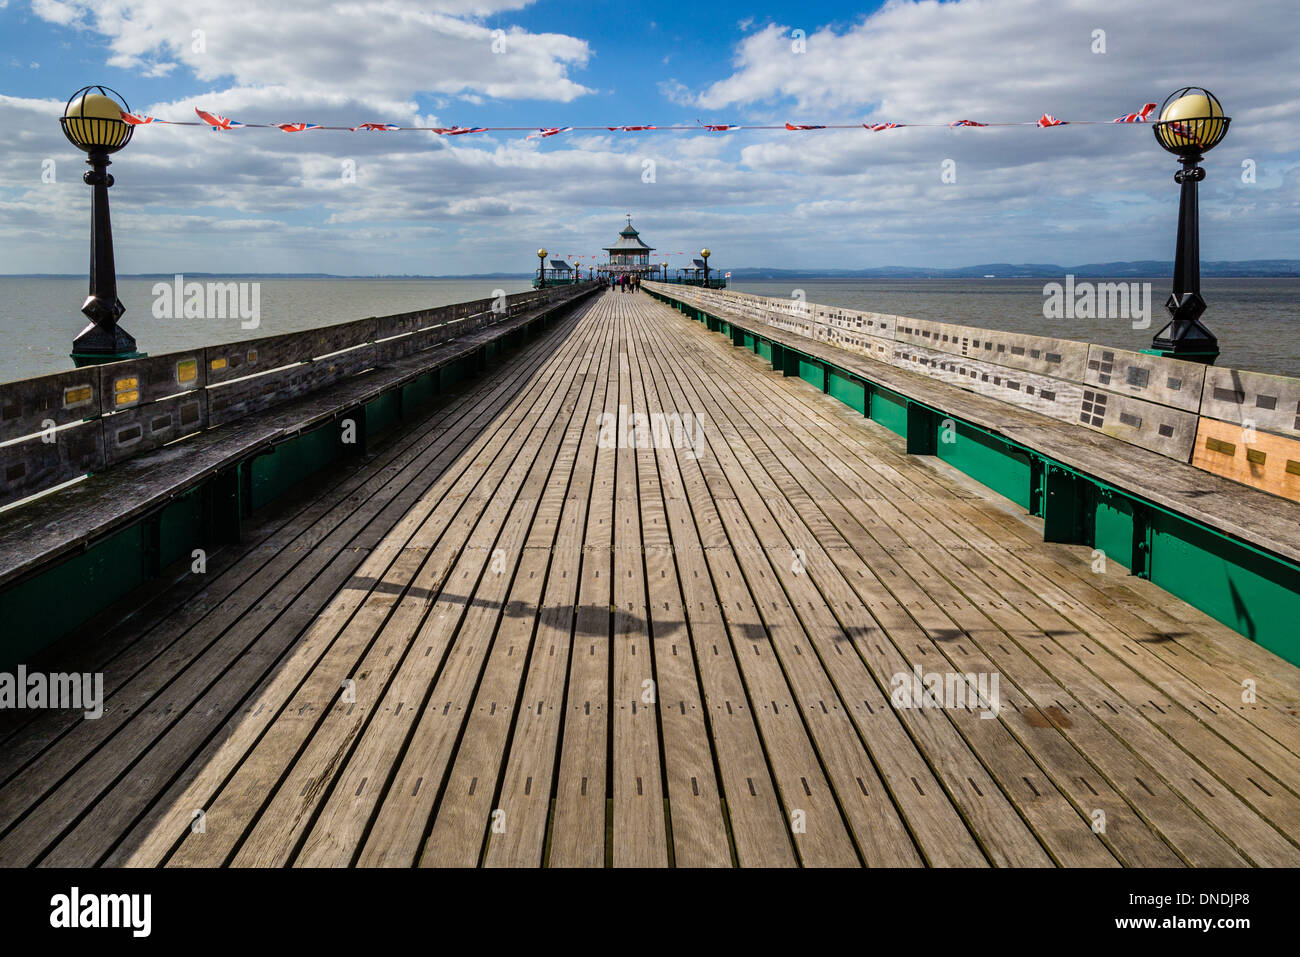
<point x="1147" y="268"/>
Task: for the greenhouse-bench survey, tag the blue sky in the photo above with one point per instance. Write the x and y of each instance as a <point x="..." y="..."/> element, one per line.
<point x="260" y="200"/>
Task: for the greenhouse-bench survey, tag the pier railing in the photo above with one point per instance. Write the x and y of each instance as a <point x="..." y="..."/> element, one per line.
<point x="1241" y="425"/>
<point x="72" y="423"/>
<point x="179" y="449"/>
<point x="1185" y="474"/>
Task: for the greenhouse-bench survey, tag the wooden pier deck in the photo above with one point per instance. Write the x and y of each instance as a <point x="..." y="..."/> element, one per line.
<point x="498" y="641"/>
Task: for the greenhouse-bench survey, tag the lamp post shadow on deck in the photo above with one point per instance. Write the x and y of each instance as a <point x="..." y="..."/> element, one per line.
<point x="1191" y="124"/>
<point x="92" y="122"/>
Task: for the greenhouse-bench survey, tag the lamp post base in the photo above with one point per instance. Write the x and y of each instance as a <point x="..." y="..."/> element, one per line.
<point x="1186" y="355"/>
<point x="80" y="359"/>
<point x="96" y="345"/>
<point x="1184" y="337"/>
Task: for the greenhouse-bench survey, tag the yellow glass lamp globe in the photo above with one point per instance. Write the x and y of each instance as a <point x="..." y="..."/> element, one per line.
<point x="94" y="121"/>
<point x="95" y="104"/>
<point x="541" y="254"/>
<point x="1196" y="121"/>
<point x="1189" y="107"/>
<point x="705" y="253"/>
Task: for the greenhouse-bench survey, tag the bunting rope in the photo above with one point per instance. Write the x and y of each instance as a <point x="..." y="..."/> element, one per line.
<point x="219" y="123"/>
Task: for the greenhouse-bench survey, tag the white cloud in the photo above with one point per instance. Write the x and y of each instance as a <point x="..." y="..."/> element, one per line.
<point x="382" y="52"/>
<point x="836" y="198"/>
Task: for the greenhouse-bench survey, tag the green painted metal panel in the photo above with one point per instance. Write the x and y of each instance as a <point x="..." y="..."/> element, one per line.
<point x="420" y="392"/>
<point x="990" y="461"/>
<point x="812" y="371"/>
<point x="1254" y="594"/>
<point x="1067" y="500"/>
<point x="852" y="392"/>
<point x="458" y="371"/>
<point x="180" y="528"/>
<point x="763" y="348"/>
<point x="383" y="412"/>
<point x="38" y="612"/>
<point x="922" y="430"/>
<point x="890" y="410"/>
<point x="1113" y="527"/>
<point x="292" y="461"/>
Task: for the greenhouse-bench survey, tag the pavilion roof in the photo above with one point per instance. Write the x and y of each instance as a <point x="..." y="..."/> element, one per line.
<point x="629" y="244"/>
<point x="629" y="241"/>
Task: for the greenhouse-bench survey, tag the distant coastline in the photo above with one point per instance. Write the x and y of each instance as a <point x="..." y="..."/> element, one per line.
<point x="1146" y="269"/>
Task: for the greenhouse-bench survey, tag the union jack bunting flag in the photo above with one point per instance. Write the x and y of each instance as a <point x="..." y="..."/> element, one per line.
<point x="139" y="119"/>
<point x="803" y="126"/>
<point x="877" y="127"/>
<point x="631" y="129"/>
<point x="718" y="127"/>
<point x="296" y="127"/>
<point x="546" y="131"/>
<point x="1140" y="117"/>
<point x="375" y="127"/>
<point x="955" y="123"/>
<point x="1047" y="119"/>
<point x="216" y="120"/>
<point x="458" y="130"/>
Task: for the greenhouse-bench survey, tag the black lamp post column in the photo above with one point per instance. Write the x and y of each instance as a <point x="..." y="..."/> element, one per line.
<point x="1185" y="337"/>
<point x="102" y="340"/>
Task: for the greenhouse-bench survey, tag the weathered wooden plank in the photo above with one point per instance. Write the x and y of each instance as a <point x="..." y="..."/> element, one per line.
<point x="237" y="360"/>
<point x="1136" y="422"/>
<point x="141" y="428"/>
<point x="403" y="323"/>
<point x="577" y="837"/>
<point x="1262" y="460"/>
<point x="1059" y="358"/>
<point x="242" y="397"/>
<point x="1154" y="378"/>
<point x="528" y="778"/>
<point x="32" y="405"/>
<point x="138" y="382"/>
<point x="1057" y="398"/>
<point x="40" y="461"/>
<point x="1268" y="402"/>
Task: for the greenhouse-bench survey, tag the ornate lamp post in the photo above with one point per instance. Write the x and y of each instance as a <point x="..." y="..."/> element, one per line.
<point x="541" y="268"/>
<point x="92" y="121"/>
<point x="1191" y="124"/>
<point x="704" y="254"/>
<point x="665" y="265"/>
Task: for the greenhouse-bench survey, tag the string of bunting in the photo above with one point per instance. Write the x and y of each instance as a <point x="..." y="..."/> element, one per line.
<point x="219" y="123"/>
